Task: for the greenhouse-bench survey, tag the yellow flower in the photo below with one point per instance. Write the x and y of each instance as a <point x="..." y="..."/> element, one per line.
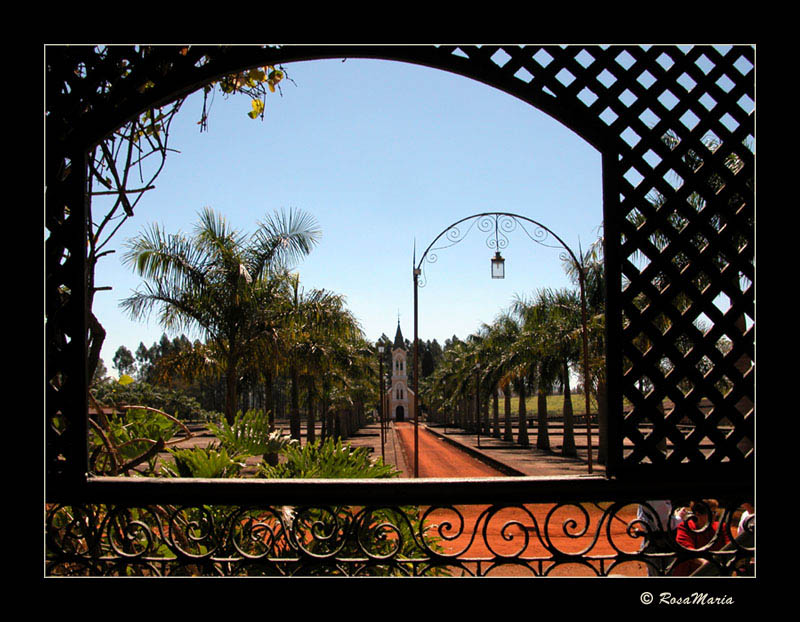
<point x="258" y="108"/>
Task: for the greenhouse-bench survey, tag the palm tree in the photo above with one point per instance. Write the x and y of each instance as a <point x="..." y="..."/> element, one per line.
<point x="495" y="344"/>
<point x="344" y="376"/>
<point x="594" y="288"/>
<point x="353" y="374"/>
<point x="515" y="367"/>
<point x="535" y="355"/>
<point x="560" y="343"/>
<point x="505" y="332"/>
<point x="314" y="324"/>
<point x="475" y="376"/>
<point x="449" y="383"/>
<point x="435" y="389"/>
<point x="491" y="376"/>
<point x="220" y="281"/>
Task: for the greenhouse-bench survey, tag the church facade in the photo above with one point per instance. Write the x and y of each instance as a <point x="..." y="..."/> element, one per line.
<point x="399" y="397"/>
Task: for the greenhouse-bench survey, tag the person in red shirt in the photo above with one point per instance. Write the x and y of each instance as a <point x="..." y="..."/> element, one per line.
<point x="697" y="531"/>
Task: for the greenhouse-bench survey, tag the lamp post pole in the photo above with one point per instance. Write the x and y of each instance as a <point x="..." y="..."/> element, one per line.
<point x="386" y="419"/>
<point x="416" y="375"/>
<point x="585" y="336"/>
<point x="380" y="403"/>
<point x="478" y="418"/>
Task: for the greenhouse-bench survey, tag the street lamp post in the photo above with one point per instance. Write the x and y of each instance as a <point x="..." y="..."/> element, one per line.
<point x="507" y="222"/>
<point x="386" y="413"/>
<point x="380" y="402"/>
<point x="417" y="272"/>
<point x="478" y="418"/>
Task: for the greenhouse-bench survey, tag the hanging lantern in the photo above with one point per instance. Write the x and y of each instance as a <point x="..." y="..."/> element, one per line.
<point x="498" y="266"/>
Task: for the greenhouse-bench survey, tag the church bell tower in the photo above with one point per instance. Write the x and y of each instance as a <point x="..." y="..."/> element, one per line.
<point x="400" y="397"/>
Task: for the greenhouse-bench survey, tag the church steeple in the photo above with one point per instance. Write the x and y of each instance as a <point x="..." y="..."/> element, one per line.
<point x="399" y="342"/>
<point x="400" y="396"/>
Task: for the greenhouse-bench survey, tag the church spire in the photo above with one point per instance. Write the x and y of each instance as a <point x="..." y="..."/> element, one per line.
<point x="399" y="342"/>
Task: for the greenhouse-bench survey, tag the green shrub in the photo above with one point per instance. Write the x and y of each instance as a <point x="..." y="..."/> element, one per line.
<point x="328" y="459"/>
<point x="250" y="434"/>
<point x="172" y="401"/>
<point x="141" y="423"/>
<point x="208" y="462"/>
<point x="132" y="435"/>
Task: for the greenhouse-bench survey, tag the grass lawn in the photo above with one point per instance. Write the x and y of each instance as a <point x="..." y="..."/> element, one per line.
<point x="555" y="405"/>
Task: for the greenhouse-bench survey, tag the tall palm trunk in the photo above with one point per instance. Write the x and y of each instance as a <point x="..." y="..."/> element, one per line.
<point x="542" y="435"/>
<point x="294" y="404"/>
<point x="268" y="399"/>
<point x="311" y="420"/>
<point x="602" y="422"/>
<point x="496" y="413"/>
<point x="568" y="444"/>
<point x="325" y="415"/>
<point x="508" y="435"/>
<point x="522" y="434"/>
<point x="231" y="388"/>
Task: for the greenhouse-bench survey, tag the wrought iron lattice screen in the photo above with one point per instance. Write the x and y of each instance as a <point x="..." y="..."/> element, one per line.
<point x="675" y="127"/>
<point x="686" y="253"/>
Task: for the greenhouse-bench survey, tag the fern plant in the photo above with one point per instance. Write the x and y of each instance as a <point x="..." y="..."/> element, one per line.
<point x="250" y="434"/>
<point x="206" y="462"/>
<point x="328" y="459"/>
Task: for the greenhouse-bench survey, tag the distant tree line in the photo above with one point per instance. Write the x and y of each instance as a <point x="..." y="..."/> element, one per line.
<point x="159" y="379"/>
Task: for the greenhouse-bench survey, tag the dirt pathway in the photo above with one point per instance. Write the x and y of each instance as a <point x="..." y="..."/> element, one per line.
<point x="514" y="531"/>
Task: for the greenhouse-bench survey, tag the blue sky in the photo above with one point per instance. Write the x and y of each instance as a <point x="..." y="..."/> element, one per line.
<point x="385" y="155"/>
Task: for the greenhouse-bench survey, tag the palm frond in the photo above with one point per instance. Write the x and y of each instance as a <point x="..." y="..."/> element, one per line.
<point x="282" y="239"/>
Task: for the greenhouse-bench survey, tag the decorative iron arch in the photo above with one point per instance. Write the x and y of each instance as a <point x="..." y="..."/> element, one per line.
<point x="507" y="223"/>
<point x="674" y="127"/>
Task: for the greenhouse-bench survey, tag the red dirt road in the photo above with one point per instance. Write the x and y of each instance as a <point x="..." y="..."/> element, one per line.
<point x="438" y="458"/>
<point x="516" y="531"/>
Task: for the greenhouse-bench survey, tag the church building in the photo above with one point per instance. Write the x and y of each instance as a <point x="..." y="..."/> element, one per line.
<point x="400" y="397"/>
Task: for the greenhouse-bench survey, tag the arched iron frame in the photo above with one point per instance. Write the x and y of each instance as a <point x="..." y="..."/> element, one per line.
<point x="603" y="93"/>
<point x="507" y="222"/>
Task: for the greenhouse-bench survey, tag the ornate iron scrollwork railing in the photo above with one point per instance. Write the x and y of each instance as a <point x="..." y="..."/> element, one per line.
<point x="507" y="539"/>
